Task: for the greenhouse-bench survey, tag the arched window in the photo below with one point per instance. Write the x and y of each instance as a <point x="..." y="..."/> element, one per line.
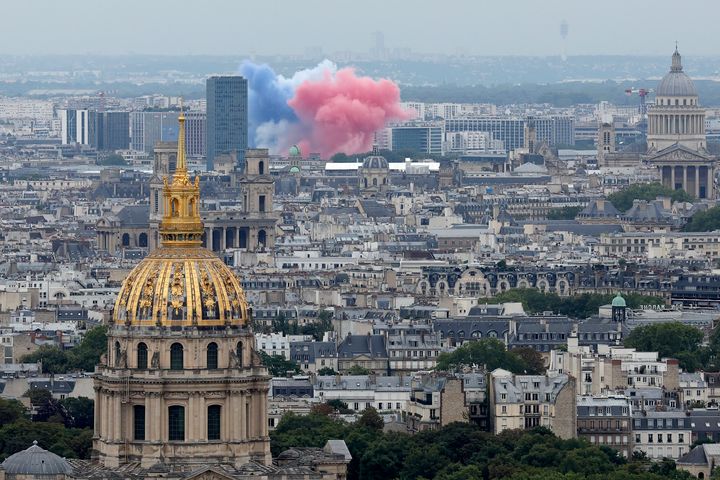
<point x="142" y="240"/>
<point x="176" y="423"/>
<point x="176" y="356"/>
<point x="374" y="182"/>
<point x="117" y="353"/>
<point x="262" y="238"/>
<point x="261" y="168"/>
<point x="125" y="240"/>
<point x="239" y="353"/>
<point x="212" y="356"/>
<point x="142" y="357"/>
<point x="139" y="422"/>
<point x="174" y="207"/>
<point x="213" y="422"/>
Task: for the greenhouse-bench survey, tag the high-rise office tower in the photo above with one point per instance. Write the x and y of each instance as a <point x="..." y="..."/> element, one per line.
<point x="227" y="118"/>
<point x="75" y="126"/>
<point x="109" y="130"/>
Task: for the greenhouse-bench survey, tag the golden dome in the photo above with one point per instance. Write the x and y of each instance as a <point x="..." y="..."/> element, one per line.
<point x="181" y="283"/>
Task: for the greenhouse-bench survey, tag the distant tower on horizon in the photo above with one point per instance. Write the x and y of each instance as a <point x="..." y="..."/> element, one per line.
<point x="564" y="29"/>
<point x="378" y="50"/>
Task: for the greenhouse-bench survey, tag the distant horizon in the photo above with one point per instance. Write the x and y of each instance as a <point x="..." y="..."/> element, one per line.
<point x="225" y="27"/>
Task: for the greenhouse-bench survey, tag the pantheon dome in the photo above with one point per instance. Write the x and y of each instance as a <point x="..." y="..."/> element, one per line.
<point x="676" y="83"/>
<point x="181" y="283"/>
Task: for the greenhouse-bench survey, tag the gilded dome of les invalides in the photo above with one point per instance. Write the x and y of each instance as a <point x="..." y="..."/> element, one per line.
<point x="181" y="283"/>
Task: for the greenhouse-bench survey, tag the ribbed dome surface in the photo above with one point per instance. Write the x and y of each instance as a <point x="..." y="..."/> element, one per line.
<point x="181" y="287"/>
<point x="375" y="161"/>
<point x="36" y="461"/>
<point x="676" y="83"/>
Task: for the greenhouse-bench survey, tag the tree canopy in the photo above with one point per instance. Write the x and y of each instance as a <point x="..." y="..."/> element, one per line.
<point x="704" y="221"/>
<point x="491" y="353"/>
<point x="577" y="306"/>
<point x="277" y="365"/>
<point x="623" y="199"/>
<point x="564" y="213"/>
<point x="463" y="451"/>
<point x="679" y="341"/>
<point x="84" y="357"/>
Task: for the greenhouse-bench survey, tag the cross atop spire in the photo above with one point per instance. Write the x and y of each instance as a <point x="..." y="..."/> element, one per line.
<point x="676" y="60"/>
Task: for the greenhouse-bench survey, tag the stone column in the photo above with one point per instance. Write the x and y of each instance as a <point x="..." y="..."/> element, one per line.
<point x="709" y="193"/>
<point x="118" y="417"/>
<point x="97" y="418"/>
<point x="685" y="179"/>
<point x="672" y="177"/>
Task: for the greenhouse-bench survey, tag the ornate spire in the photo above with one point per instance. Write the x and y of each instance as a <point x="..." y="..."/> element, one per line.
<point x="181" y="224"/>
<point x="676" y="61"/>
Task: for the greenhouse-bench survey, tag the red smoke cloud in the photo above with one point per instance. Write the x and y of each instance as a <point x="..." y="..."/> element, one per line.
<point x="340" y="112"/>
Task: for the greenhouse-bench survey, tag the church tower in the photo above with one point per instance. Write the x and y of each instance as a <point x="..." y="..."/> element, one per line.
<point x="181" y="384"/>
<point x="257" y="188"/>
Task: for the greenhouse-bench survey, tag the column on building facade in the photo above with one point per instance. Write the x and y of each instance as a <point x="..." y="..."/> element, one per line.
<point x="685" y="178"/>
<point x="236" y="402"/>
<point x="118" y="417"/>
<point x="672" y="177"/>
<point x="697" y="182"/>
<point x="157" y="415"/>
<point x="709" y="180"/>
<point x="97" y="420"/>
<point x="104" y="415"/>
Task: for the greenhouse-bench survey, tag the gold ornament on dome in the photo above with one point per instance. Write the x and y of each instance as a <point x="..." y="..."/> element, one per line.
<point x="181" y="283"/>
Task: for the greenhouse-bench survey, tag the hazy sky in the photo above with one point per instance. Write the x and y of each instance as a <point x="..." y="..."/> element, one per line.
<point x="501" y="27"/>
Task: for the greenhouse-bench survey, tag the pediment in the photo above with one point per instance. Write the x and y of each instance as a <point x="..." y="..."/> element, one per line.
<point x="679" y="153"/>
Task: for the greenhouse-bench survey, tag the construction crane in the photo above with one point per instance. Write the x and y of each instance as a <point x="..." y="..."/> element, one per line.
<point x="642" y="109"/>
<point x="642" y="93"/>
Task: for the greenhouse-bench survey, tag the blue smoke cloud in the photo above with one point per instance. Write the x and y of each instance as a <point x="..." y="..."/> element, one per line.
<point x="268" y="94"/>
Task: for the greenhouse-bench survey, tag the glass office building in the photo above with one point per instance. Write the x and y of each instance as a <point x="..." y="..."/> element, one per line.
<point x="227" y="118"/>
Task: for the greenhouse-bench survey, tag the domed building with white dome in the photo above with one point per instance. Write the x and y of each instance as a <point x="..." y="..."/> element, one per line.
<point x="676" y="138"/>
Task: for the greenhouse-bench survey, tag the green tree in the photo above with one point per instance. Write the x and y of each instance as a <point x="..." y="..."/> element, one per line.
<point x="11" y="411"/>
<point x="80" y="411"/>
<point x="704" y="221"/>
<point x="623" y="199"/>
<point x="371" y="419"/>
<point x="45" y="407"/>
<point x="490" y="352"/>
<point x="339" y="406"/>
<point x="83" y="357"/>
<point x="358" y="370"/>
<point x="532" y="360"/>
<point x="673" y="339"/>
<point x="86" y="356"/>
<point x="277" y="365"/>
<point x="564" y="213"/>
<point x="327" y="371"/>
